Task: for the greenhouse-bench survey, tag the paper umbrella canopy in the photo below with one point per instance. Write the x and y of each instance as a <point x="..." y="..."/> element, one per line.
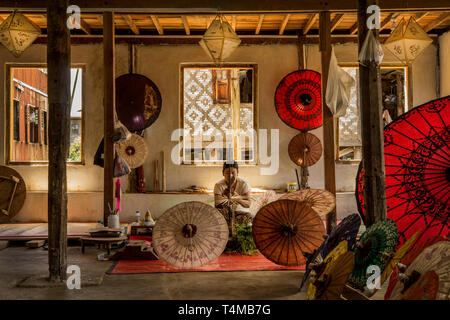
<point x="284" y="229"/>
<point x="373" y="248"/>
<point x="190" y="235"/>
<point x="417" y="170"/>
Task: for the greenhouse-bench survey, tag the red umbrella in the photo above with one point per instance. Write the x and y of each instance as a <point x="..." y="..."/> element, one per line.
<point x="417" y="168"/>
<point x="298" y="100"/>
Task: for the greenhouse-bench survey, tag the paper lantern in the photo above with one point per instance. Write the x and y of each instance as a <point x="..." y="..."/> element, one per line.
<point x="220" y="40"/>
<point x="17" y="33"/>
<point x="408" y="41"/>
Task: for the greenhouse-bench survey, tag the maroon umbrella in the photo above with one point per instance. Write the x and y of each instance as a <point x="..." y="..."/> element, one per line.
<point x="298" y="100"/>
<point x="417" y="168"/>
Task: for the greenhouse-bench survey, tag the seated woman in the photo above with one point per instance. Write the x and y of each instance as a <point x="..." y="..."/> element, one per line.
<point x="239" y="199"/>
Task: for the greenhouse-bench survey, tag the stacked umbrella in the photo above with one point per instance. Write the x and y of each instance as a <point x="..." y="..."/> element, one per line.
<point x="299" y="104"/>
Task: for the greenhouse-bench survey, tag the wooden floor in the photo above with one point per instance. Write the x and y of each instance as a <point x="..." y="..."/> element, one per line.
<point x="31" y="231"/>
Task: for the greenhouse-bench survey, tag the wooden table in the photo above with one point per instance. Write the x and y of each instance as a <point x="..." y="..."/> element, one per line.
<point x="106" y="242"/>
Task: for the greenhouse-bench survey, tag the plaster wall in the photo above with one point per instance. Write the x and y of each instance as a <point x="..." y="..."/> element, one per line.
<point x="162" y="64"/>
<point x="444" y="61"/>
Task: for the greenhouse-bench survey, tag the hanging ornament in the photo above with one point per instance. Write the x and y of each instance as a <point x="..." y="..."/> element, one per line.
<point x="220" y="40"/>
<point x="17" y="33"/>
<point x="408" y="41"/>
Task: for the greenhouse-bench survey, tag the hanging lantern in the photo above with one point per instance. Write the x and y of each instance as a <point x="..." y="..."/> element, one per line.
<point x="220" y="40"/>
<point x="17" y="33"/>
<point x="408" y="41"/>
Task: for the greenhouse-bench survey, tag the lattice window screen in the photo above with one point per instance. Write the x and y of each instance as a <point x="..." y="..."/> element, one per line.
<point x="350" y="125"/>
<point x="201" y="116"/>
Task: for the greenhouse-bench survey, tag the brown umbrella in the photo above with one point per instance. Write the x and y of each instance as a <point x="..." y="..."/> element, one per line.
<point x="133" y="151"/>
<point x="305" y="149"/>
<point x="436" y="258"/>
<point x="12" y="193"/>
<point x="331" y="284"/>
<point x="190" y="235"/>
<point x="283" y="229"/>
<point x="426" y="288"/>
<point x="321" y="201"/>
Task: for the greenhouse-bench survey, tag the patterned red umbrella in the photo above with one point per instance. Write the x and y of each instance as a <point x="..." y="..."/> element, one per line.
<point x="417" y="168"/>
<point x="298" y="100"/>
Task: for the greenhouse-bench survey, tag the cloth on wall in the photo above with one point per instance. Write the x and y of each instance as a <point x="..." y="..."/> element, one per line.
<point x="338" y="88"/>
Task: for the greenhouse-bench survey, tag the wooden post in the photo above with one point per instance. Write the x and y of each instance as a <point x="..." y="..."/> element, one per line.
<point x="371" y="127"/>
<point x="328" y="119"/>
<point x="109" y="105"/>
<point x="304" y="172"/>
<point x="58" y="59"/>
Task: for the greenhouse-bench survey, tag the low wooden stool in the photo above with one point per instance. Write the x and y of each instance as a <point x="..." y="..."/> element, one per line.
<point x="102" y="241"/>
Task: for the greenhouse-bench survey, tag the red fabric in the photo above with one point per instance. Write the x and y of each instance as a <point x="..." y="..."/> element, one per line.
<point x="226" y="262"/>
<point x="290" y="101"/>
<point x="417" y="168"/>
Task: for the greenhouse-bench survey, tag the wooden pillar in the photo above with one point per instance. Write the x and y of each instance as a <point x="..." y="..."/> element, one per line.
<point x="58" y="64"/>
<point x="328" y="119"/>
<point x="304" y="172"/>
<point x="108" y="105"/>
<point x="371" y="127"/>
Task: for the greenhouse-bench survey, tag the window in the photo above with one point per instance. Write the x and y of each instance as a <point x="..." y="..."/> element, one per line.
<point x="28" y="114"/>
<point x="218" y="114"/>
<point x="394" y="98"/>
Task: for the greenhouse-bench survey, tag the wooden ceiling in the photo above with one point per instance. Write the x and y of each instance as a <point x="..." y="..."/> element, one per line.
<point x="245" y="24"/>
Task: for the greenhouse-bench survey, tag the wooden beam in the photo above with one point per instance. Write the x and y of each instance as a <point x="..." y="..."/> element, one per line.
<point x="260" y="21"/>
<point x="58" y="64"/>
<point x="179" y="6"/>
<point x="420" y="15"/>
<point x="371" y="107"/>
<point x="354" y="28"/>
<point x="233" y="22"/>
<point x="109" y="106"/>
<point x="284" y="23"/>
<point x="437" y="22"/>
<point x="186" y="24"/>
<point x="336" y="20"/>
<point x="328" y="118"/>
<point x="85" y="26"/>
<point x="386" y="21"/>
<point x="130" y="23"/>
<point x="100" y="19"/>
<point x="310" y="23"/>
<point x="156" y="23"/>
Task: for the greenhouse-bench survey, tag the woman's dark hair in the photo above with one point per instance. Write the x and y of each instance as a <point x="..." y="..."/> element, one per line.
<point x="230" y="165"/>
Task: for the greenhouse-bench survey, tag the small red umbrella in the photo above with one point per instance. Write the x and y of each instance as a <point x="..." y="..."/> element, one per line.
<point x="417" y="169"/>
<point x="298" y="100"/>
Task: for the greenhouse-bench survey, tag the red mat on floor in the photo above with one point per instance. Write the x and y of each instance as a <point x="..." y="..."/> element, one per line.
<point x="226" y="262"/>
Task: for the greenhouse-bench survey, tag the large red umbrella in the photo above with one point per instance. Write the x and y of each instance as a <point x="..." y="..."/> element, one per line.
<point x="298" y="100"/>
<point x="417" y="168"/>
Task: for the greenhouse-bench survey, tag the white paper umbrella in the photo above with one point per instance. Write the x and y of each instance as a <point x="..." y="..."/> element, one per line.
<point x="319" y="200"/>
<point x="190" y="235"/>
<point x="435" y="257"/>
<point x="133" y="151"/>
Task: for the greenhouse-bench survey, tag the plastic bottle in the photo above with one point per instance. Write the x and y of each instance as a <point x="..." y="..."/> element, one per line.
<point x="138" y="217"/>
